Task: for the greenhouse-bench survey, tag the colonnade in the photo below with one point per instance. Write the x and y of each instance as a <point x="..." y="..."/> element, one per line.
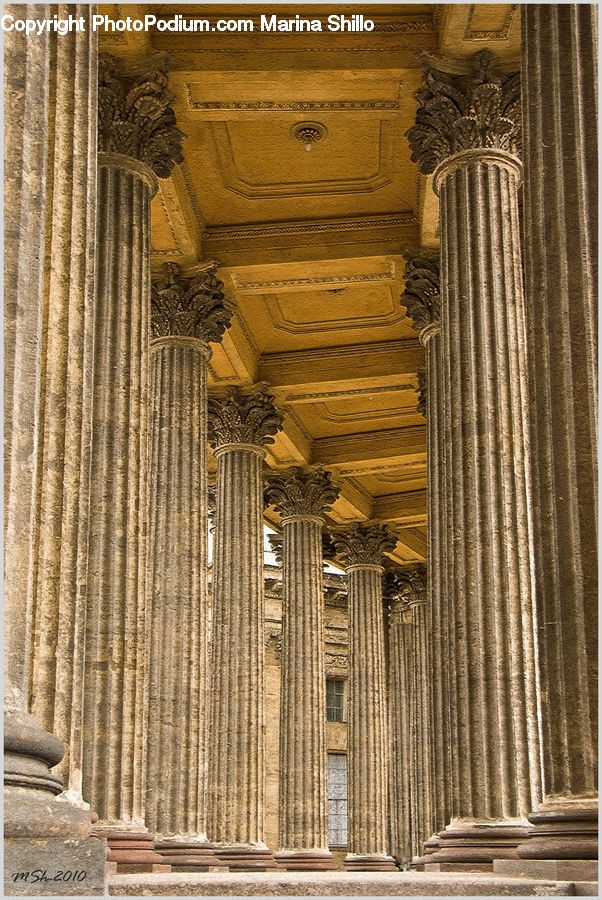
<point x="472" y="715"/>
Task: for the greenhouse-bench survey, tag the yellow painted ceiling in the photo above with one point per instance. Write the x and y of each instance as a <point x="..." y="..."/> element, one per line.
<point x="309" y="243"/>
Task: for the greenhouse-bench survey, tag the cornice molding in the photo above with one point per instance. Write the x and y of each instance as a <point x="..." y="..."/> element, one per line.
<point x="368" y="278"/>
<point x="339" y="352"/>
<point x="394" y="220"/>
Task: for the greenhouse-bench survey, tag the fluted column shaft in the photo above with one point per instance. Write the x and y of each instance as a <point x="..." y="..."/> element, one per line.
<point x="421" y="761"/>
<point x="186" y="314"/>
<point x="368" y="736"/>
<point x="176" y="767"/>
<point x="400" y="686"/>
<point x="50" y="193"/>
<point x="498" y="774"/>
<point x="114" y="762"/>
<point x="559" y="81"/>
<point x="239" y="427"/>
<point x="467" y="132"/>
<point x="303" y="811"/>
<point x="422" y="299"/>
<point x="236" y="749"/>
<point x="441" y="672"/>
<point x="116" y="689"/>
<point x="301" y="498"/>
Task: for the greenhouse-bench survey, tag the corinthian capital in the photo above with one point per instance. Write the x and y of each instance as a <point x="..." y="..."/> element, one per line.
<point x="413" y="584"/>
<point x="465" y="112"/>
<point x="135" y="117"/>
<point x="298" y="493"/>
<point x="243" y="419"/>
<point x="421" y="296"/>
<point x="189" y="307"/>
<point x="364" y="544"/>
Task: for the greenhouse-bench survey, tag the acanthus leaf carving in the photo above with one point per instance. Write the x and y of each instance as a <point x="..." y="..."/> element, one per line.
<point x="240" y="418"/>
<point x="364" y="544"/>
<point x="421" y="296"/>
<point x="189" y="307"/>
<point x="299" y="493"/>
<point x="412" y="584"/>
<point x="135" y="117"/>
<point x="481" y="110"/>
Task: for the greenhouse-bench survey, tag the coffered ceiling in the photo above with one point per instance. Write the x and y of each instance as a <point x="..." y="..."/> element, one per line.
<point x="309" y="243"/>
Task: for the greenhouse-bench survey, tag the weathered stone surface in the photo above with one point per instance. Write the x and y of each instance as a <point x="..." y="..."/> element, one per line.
<point x="467" y="112"/>
<point x="48" y="363"/>
<point x="559" y="74"/>
<point x="239" y="427"/>
<point x="362" y="548"/>
<point x="467" y="129"/>
<point x="186" y="314"/>
<point x="556" y="869"/>
<point x="329" y="884"/>
<point x="410" y="697"/>
<point x="55" y="867"/>
<point x="135" y="118"/>
<point x="301" y="498"/>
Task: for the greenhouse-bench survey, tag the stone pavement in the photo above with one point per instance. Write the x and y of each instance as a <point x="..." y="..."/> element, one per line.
<point x="356" y="884"/>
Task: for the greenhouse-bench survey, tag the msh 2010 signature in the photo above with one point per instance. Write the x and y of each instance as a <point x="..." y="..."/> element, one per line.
<point x="66" y="875"/>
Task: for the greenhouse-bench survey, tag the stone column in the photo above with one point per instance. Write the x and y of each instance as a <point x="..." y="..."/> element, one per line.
<point x="138" y="141"/>
<point x="240" y="426"/>
<point x="422" y="300"/>
<point x="467" y="133"/>
<point x="187" y="314"/>
<point x="301" y="498"/>
<point x="559" y="79"/>
<point x="50" y="196"/>
<point x="400" y="724"/>
<point x="361" y="549"/>
<point x="414" y="592"/>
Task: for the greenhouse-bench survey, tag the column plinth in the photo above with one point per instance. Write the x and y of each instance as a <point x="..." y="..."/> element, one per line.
<point x="50" y="197"/>
<point x="187" y="314"/>
<point x="301" y="498"/>
<point x="467" y="132"/>
<point x="362" y="548"/>
<point x="115" y="693"/>
<point x="239" y="428"/>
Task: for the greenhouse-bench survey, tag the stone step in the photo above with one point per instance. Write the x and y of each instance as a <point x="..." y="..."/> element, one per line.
<point x="328" y="884"/>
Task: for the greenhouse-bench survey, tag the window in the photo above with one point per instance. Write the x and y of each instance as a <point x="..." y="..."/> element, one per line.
<point x="337" y="800"/>
<point x="335" y="700"/>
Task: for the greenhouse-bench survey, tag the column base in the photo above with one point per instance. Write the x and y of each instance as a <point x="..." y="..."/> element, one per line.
<point x="428" y="848"/>
<point x="548" y="869"/>
<point x="306" y="860"/>
<point x="48" y="846"/>
<point x="131" y="852"/>
<point x="471" y="846"/>
<point x="563" y="829"/>
<point x="368" y="863"/>
<point x="189" y="856"/>
<point x="245" y="858"/>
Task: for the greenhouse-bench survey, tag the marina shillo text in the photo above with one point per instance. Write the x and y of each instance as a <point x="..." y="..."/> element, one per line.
<point x="180" y="23"/>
